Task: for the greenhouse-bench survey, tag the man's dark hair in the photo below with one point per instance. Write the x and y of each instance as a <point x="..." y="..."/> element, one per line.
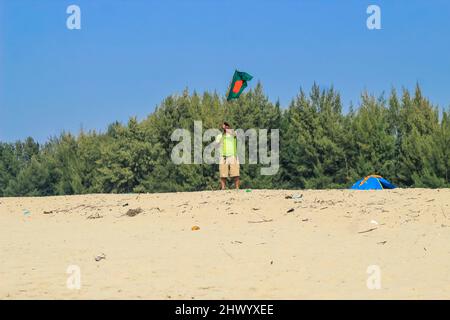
<point x="227" y="124"/>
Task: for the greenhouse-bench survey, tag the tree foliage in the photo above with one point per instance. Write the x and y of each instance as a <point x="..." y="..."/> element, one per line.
<point x="403" y="138"/>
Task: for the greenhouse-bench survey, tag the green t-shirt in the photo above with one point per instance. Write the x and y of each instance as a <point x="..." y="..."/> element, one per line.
<point x="228" y="144"/>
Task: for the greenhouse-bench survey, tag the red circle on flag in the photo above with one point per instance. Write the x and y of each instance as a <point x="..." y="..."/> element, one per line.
<point x="237" y="86"/>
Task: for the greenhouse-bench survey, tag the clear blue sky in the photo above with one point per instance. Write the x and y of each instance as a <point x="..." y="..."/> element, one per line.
<point x="131" y="54"/>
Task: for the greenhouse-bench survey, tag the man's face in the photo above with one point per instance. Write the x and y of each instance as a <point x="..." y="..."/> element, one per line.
<point x="225" y="127"/>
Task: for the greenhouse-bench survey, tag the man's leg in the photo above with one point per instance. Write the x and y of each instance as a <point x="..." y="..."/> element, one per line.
<point x="223" y="182"/>
<point x="234" y="171"/>
<point x="223" y="172"/>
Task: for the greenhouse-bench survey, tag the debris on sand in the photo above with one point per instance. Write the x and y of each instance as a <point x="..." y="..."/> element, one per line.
<point x="365" y="231"/>
<point x="195" y="228"/>
<point x="156" y="209"/>
<point x="226" y="252"/>
<point x="290" y="210"/>
<point x="48" y="212"/>
<point x="133" y="212"/>
<point x="183" y="204"/>
<point x="100" y="257"/>
<point x="295" y="196"/>
<point x="382" y="242"/>
<point x="26" y="212"/>
<point x="94" y="216"/>
<point x="261" y="221"/>
<point x="125" y="204"/>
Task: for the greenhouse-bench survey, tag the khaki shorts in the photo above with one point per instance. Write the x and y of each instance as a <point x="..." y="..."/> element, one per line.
<point x="229" y="167"/>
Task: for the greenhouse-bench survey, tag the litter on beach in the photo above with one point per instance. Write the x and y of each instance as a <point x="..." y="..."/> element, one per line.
<point x="99" y="257"/>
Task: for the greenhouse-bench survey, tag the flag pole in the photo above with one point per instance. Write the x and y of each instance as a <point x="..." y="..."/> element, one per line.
<point x="227" y="102"/>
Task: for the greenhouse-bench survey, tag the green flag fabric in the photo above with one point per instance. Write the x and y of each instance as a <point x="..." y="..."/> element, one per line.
<point x="238" y="84"/>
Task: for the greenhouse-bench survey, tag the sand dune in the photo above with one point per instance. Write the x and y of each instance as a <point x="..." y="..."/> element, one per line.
<point x="248" y="245"/>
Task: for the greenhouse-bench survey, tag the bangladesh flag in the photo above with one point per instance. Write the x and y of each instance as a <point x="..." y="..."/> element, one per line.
<point x="238" y="84"/>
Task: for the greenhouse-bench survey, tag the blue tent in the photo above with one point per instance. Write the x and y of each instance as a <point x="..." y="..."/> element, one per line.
<point x="372" y="182"/>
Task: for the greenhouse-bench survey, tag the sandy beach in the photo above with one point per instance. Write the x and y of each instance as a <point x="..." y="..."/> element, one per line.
<point x="256" y="244"/>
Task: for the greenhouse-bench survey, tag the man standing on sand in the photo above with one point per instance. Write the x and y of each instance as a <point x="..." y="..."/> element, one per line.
<point x="229" y="163"/>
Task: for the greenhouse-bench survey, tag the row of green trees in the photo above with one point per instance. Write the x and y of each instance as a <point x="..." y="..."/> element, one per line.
<point x="403" y="138"/>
